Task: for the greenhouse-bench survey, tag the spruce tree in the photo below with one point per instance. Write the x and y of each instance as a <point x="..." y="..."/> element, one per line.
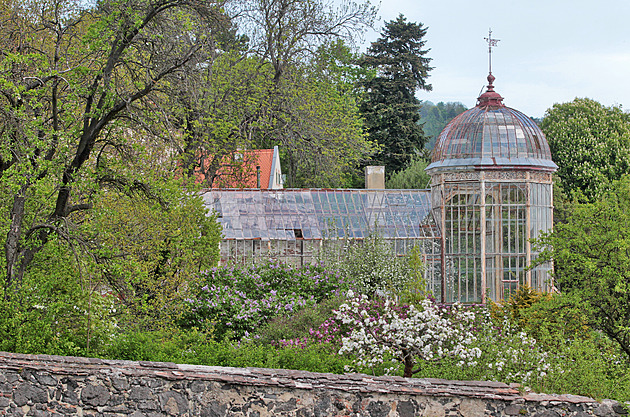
<point x="390" y="107"/>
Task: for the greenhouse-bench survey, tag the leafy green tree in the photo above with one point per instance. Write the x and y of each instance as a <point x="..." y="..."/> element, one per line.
<point x="149" y="256"/>
<point x="313" y="120"/>
<point x="292" y="87"/>
<point x="61" y="310"/>
<point x="435" y="117"/>
<point x="412" y="177"/>
<point x="77" y="81"/>
<point x="592" y="257"/>
<point x="221" y="107"/>
<point x="318" y="122"/>
<point x="590" y="143"/>
<point x="390" y="107"/>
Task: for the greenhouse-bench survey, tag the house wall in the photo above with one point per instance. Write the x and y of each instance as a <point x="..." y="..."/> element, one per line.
<point x="41" y="385"/>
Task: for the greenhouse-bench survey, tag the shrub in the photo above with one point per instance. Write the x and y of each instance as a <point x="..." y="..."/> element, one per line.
<point x="592" y="257"/>
<point x="593" y="367"/>
<point x="513" y="307"/>
<point x="380" y="329"/>
<point x="57" y="310"/>
<point x="556" y="321"/>
<point x="240" y="300"/>
<point x="300" y="325"/>
<point x="370" y="265"/>
<point x="414" y="176"/>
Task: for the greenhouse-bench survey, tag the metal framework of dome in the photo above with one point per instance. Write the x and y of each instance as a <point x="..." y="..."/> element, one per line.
<point x="491" y="135"/>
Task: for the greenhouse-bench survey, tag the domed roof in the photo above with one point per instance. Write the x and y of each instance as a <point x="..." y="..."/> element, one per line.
<point x="491" y="135"/>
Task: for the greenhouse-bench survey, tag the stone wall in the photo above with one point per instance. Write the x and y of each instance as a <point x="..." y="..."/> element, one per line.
<point x="41" y="385"/>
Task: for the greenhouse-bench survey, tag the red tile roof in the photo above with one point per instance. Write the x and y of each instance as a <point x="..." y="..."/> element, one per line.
<point x="239" y="170"/>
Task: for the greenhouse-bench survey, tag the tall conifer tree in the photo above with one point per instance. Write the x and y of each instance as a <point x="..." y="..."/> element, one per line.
<point x="390" y="108"/>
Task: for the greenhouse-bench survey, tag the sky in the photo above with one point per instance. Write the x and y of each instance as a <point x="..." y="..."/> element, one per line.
<point x="548" y="51"/>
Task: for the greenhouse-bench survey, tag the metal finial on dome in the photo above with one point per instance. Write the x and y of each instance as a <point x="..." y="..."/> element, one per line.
<point x="491" y="43"/>
<point x="490" y="97"/>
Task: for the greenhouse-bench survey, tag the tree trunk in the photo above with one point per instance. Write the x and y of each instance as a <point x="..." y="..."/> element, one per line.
<point x="12" y="243"/>
<point x="408" y="372"/>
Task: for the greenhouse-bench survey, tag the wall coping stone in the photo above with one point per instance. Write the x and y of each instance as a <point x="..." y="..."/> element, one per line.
<point x="69" y="365"/>
<point x="285" y="380"/>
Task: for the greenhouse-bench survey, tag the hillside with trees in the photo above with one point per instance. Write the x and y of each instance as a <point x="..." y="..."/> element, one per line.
<point x="435" y="117"/>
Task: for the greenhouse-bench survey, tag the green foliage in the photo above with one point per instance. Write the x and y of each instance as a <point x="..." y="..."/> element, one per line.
<point x="414" y="289"/>
<point x="82" y="95"/>
<point x="587" y="361"/>
<point x="61" y="308"/>
<point x="151" y="255"/>
<point x="219" y="111"/>
<point x="435" y="117"/>
<point x="591" y="252"/>
<point x="194" y="347"/>
<point x="299" y="325"/>
<point x="319" y="128"/>
<point x="592" y="367"/>
<point x="390" y="107"/>
<point x="556" y="321"/>
<point x="524" y="297"/>
<point x="369" y="265"/>
<point x="310" y="111"/>
<point x="412" y="177"/>
<point x="591" y="145"/>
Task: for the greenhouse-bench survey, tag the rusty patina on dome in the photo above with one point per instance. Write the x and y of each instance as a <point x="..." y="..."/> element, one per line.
<point x="491" y="135"/>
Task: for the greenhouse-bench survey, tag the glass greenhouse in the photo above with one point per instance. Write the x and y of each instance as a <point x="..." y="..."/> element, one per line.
<point x="491" y="194"/>
<point x="293" y="224"/>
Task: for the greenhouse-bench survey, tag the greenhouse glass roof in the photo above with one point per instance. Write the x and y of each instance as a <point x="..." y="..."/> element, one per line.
<point x="291" y="214"/>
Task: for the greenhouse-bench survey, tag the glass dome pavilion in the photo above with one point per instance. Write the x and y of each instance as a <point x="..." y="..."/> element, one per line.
<point x="491" y="193"/>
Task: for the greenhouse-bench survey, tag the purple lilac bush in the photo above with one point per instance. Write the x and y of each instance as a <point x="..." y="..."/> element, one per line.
<point x="238" y="300"/>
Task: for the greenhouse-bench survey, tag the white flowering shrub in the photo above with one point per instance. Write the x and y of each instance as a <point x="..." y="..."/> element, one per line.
<point x="431" y="338"/>
<point x="382" y="328"/>
<point x="508" y="353"/>
<point x="370" y="264"/>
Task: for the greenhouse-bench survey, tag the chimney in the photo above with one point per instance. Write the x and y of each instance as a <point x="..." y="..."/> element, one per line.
<point x="375" y="177"/>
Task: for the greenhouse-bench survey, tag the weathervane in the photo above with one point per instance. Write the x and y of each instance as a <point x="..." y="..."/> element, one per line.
<point x="491" y="43"/>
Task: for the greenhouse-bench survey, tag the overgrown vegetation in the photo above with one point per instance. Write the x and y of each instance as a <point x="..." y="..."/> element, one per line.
<point x="412" y="177"/>
<point x="111" y="110"/>
<point x="592" y="260"/>
<point x="315" y="318"/>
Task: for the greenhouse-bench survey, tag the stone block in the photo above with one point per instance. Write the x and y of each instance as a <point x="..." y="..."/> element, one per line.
<point x="95" y="395"/>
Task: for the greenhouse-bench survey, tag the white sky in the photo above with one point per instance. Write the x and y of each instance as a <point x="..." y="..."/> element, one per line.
<point x="549" y="51"/>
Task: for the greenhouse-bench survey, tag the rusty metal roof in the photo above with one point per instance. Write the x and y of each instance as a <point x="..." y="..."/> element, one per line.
<point x="492" y="135"/>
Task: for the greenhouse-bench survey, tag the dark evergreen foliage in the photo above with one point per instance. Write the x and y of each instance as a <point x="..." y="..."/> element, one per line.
<point x="390" y="107"/>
